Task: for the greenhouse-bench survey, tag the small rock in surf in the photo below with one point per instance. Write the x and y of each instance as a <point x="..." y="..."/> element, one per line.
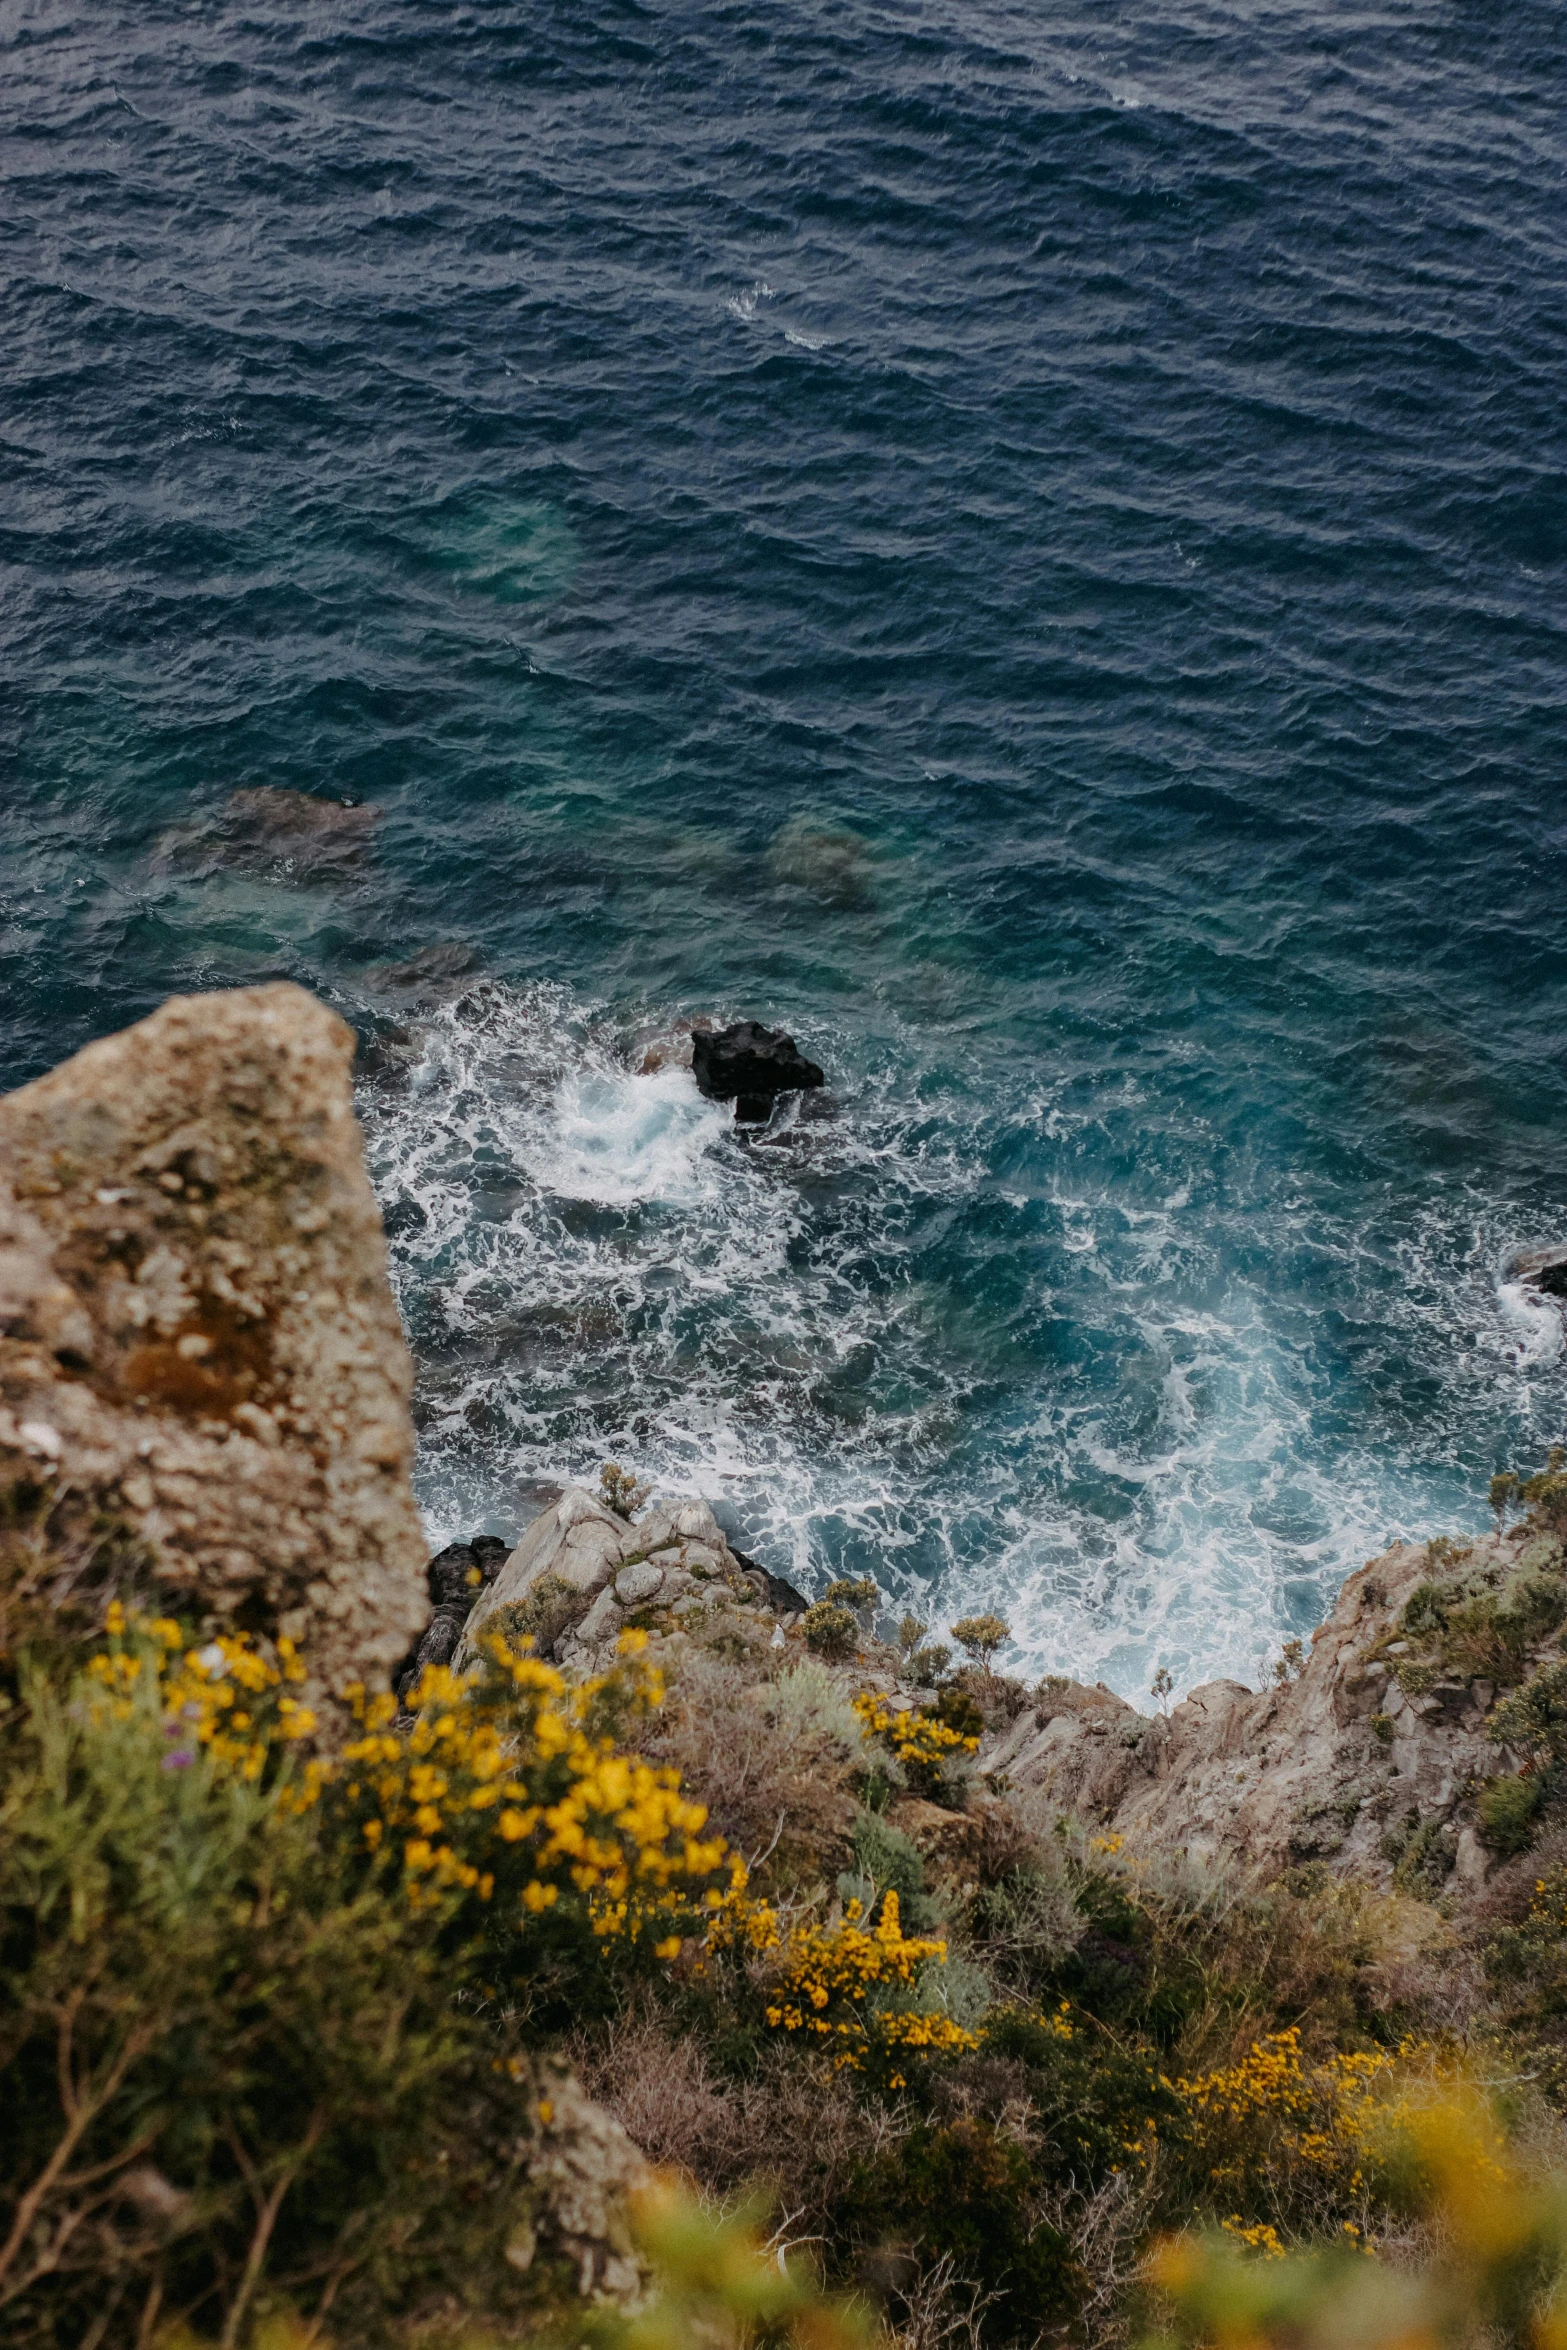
<point x="749" y="1064"/>
<point x="1544" y="1269"/>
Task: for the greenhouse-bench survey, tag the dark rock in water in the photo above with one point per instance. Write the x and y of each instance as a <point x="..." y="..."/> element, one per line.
<point x="773" y="1590"/>
<point x="456" y="1576"/>
<point x="1544" y="1269"/>
<point x="752" y="1062"/>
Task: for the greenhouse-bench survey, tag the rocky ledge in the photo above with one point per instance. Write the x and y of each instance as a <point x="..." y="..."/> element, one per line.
<point x="1372" y="1754"/>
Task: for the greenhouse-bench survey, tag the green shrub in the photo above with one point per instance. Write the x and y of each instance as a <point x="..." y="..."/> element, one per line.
<point x="886" y="1862"/>
<point x="1535" y="1715"/>
<point x="263" y="2023"/>
<point x="981" y="1636"/>
<point x="856" y="1592"/>
<point x="621" y="1491"/>
<point x="1546" y="1495"/>
<point x="830" y="1629"/>
<point x="1507" y="1810"/>
<point x="1425" y="1610"/>
<point x="963" y="2192"/>
<point x="1421" y="1857"/>
<point x="549" y="1609"/>
<point x="1100" y="2104"/>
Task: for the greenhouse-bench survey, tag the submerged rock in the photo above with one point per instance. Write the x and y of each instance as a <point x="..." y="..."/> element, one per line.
<point x="832" y="864"/>
<point x="749" y="1064"/>
<point x="264" y="828"/>
<point x="203" y="1378"/>
<point x="433" y="976"/>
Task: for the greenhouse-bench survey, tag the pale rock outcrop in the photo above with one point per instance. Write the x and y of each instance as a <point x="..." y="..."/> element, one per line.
<point x="1328" y="1767"/>
<point x="200" y="1356"/>
<point x="583" y="2173"/>
<point x="581" y="1575"/>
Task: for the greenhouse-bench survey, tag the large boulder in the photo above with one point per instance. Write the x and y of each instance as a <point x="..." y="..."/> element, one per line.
<point x="749" y="1063"/>
<point x="581" y="1576"/>
<point x="202" y="1373"/>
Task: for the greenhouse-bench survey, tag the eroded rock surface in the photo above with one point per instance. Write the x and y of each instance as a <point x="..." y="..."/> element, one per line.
<point x="199" y="1349"/>
<point x="581" y="1576"/>
<point x="1369" y="1762"/>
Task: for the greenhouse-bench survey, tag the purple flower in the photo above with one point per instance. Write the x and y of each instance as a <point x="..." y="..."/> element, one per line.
<point x="179" y="1759"/>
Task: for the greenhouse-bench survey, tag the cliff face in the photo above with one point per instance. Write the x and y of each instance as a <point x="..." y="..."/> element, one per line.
<point x="201" y="1362"/>
<point x="1342" y="1764"/>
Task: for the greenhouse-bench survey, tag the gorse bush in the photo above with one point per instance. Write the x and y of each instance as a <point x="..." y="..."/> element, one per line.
<point x="926" y="1747"/>
<point x="1494" y="2277"/>
<point x="262" y="2018"/>
<point x="830" y="1628"/>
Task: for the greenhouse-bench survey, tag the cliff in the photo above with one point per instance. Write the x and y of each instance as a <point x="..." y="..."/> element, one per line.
<point x="323" y="2009"/>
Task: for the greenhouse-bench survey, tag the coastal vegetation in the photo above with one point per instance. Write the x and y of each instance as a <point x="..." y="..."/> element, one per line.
<point x="671" y="1960"/>
<point x="282" y="1987"/>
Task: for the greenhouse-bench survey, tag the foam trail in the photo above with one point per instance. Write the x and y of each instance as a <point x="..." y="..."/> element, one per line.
<point x="838" y="1335"/>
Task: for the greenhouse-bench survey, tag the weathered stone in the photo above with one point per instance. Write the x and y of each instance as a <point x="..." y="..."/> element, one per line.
<point x="635" y="1585"/>
<point x="582" y="2173"/>
<point x="602" y="1620"/>
<point x="578" y="1542"/>
<point x="1288" y="1772"/>
<point x="198" y="1342"/>
<point x="664" y="1522"/>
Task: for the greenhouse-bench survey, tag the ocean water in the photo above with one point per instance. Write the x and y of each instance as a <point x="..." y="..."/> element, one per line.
<point x="1027" y="544"/>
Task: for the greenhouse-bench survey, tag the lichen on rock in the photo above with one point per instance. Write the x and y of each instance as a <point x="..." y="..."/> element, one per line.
<point x="201" y="1363"/>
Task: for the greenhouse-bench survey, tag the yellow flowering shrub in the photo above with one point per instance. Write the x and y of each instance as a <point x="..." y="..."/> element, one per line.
<point x="1279" y="2129"/>
<point x="506" y="1800"/>
<point x="510" y="1790"/>
<point x="223" y="1700"/>
<point x="844" y="1984"/>
<point x="238" y="2072"/>
<point x="1496" y="2272"/>
<point x="923" y="1744"/>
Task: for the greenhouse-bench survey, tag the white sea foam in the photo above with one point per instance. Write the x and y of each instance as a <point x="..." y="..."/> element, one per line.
<point x="598" y="1264"/>
<point x="1535" y="1323"/>
<point x="743" y="305"/>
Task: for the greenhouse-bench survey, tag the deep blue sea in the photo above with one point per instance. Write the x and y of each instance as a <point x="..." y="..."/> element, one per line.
<point x="1027" y="544"/>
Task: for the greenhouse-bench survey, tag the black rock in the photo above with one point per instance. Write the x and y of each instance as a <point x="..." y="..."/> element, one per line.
<point x="752" y="1062"/>
<point x="491" y="1554"/>
<point x="1544" y="1269"/>
<point x="771" y="1589"/>
<point x="455" y="1577"/>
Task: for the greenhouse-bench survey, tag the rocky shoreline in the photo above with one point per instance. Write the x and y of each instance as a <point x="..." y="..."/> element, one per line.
<point x="201" y="1365"/>
<point x="204" y="1408"/>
